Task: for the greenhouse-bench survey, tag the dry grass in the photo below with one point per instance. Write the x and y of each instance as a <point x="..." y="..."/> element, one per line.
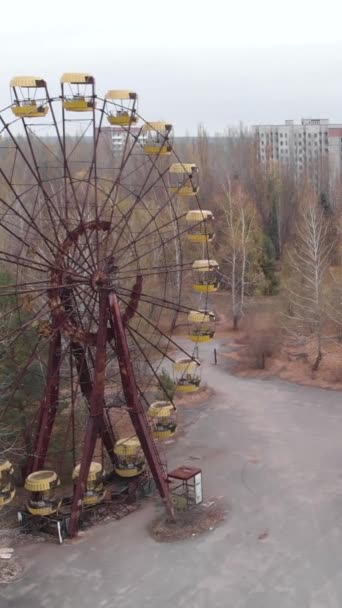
<point x="294" y="363"/>
<point x="190" y="523"/>
<point x="261" y="349"/>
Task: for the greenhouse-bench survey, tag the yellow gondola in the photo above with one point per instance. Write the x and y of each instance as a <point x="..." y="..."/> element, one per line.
<point x="201" y="325"/>
<point x="187" y="375"/>
<point x="6" y="495"/>
<point x="94" y="492"/>
<point x="130" y="457"/>
<point x="125" y="108"/>
<point x="163" y="414"/>
<point x="201" y="226"/>
<point x="26" y="101"/>
<point x="184" y="179"/>
<point x="7" y="489"/>
<point x="41" y="485"/>
<point x="205" y="279"/>
<point x="82" y="89"/>
<point x="158" y="138"/>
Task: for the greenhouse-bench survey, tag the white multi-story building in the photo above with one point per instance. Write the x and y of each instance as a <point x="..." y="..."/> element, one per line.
<point x="313" y="148"/>
<point x="117" y="136"/>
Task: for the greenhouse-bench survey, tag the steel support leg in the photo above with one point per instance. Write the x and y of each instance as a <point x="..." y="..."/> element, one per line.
<point x="48" y="408"/>
<point x="135" y="407"/>
<point x="95" y="419"/>
<point x="86" y="385"/>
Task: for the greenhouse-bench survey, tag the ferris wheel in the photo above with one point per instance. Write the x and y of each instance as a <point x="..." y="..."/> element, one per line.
<point x="100" y="228"/>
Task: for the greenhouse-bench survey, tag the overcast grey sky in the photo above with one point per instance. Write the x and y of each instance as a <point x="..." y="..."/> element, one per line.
<point x="215" y="62"/>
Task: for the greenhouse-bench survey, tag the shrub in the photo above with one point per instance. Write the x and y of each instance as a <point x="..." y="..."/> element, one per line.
<point x="167" y="385"/>
<point x="261" y="346"/>
<point x="263" y="337"/>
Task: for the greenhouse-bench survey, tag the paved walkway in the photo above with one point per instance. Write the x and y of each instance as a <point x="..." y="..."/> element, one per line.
<point x="274" y="451"/>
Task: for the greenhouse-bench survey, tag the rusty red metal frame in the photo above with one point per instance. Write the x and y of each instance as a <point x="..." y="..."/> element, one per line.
<point x="48" y="407"/>
<point x="110" y="307"/>
<point x="113" y="324"/>
<point x="135" y="407"/>
<point x="95" y="419"/>
<point x="109" y="314"/>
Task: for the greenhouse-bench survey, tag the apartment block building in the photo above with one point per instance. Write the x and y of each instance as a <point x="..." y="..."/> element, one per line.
<point x="312" y="148"/>
<point x="117" y="136"/>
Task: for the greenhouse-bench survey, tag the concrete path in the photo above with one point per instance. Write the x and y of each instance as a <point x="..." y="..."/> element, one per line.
<point x="274" y="451"/>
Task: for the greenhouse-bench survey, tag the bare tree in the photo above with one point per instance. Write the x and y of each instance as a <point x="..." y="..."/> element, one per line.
<point x="308" y="261"/>
<point x="239" y="245"/>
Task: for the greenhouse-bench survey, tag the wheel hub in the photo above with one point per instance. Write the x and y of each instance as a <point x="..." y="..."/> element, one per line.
<point x="99" y="280"/>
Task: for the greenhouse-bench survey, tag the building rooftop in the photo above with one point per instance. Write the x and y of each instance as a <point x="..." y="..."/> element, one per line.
<point x="291" y="123"/>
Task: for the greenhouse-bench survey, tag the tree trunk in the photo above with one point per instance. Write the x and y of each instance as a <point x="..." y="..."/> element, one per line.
<point x="236" y="318"/>
<point x="263" y="360"/>
<point x="317" y="361"/>
<point x="233" y="292"/>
